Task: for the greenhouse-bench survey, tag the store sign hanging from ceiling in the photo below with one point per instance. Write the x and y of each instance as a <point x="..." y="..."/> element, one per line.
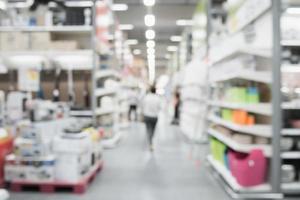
<point x="104" y="19"/>
<point x="249" y="11"/>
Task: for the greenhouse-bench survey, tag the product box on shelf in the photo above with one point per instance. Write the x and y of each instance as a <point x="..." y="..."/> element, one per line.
<point x="31" y="148"/>
<point x="40" y="41"/>
<point x="34" y="169"/>
<point x="15" y="41"/>
<point x="74" y="155"/>
<point x="64" y="45"/>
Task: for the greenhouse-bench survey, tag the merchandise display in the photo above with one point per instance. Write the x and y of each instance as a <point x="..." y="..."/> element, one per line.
<point x="75" y="77"/>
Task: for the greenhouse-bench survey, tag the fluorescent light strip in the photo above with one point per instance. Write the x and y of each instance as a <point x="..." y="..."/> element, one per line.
<point x="176" y="38"/>
<point x="184" y="22"/>
<point x="172" y="48"/>
<point x="119" y="7"/>
<point x="149" y="3"/>
<point x="79" y="3"/>
<point x="125" y="27"/>
<point x="137" y="52"/>
<point x="131" y="42"/>
<point x="149" y="20"/>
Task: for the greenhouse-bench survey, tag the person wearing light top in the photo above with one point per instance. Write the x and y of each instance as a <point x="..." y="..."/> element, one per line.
<point x="151" y="109"/>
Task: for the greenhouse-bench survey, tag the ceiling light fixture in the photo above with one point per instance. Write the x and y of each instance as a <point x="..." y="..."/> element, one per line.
<point x="137" y="52"/>
<point x="119" y="7"/>
<point x="149" y="3"/>
<point x="79" y="3"/>
<point x="131" y="42"/>
<point x="176" y="38"/>
<point x="149" y="20"/>
<point x="150" y="51"/>
<point x="150" y="34"/>
<point x="126" y="27"/>
<point x="184" y="22"/>
<point x="150" y="43"/>
<point x="172" y="48"/>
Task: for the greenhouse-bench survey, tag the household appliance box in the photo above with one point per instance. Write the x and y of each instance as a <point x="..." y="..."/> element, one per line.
<point x="73" y="156"/>
<point x="31" y="147"/>
<point x="40" y="169"/>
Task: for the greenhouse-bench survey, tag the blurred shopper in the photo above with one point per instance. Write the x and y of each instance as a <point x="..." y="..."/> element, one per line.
<point x="151" y="108"/>
<point x="133" y="105"/>
<point x="177" y="103"/>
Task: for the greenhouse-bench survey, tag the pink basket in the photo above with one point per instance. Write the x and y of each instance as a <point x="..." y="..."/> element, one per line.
<point x="248" y="169"/>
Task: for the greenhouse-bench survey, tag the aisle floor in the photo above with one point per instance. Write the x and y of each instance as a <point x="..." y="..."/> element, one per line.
<point x="174" y="171"/>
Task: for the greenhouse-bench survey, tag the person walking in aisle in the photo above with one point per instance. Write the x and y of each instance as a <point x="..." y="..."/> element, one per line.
<point x="151" y="108"/>
<point x="133" y="105"/>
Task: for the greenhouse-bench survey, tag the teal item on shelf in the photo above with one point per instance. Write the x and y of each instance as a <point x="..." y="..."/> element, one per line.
<point x="252" y="95"/>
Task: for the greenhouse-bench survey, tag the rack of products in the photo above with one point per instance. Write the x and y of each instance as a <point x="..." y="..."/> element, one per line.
<point x="253" y="135"/>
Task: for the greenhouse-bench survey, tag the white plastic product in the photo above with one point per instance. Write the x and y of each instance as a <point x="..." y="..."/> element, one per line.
<point x="4" y="195"/>
<point x="73" y="157"/>
<point x="15" y="105"/>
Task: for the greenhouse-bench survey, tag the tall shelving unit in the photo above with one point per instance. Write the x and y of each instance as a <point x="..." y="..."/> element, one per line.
<point x="88" y="58"/>
<point x="268" y="75"/>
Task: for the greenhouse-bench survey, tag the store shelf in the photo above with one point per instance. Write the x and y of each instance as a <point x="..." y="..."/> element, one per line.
<point x="244" y="148"/>
<point x="260" y="108"/>
<point x="258" y="76"/>
<point x="56" y="29"/>
<point x="291" y="188"/>
<point x="104" y="92"/>
<point x="257" y="130"/>
<point x="104" y="111"/>
<point x="239" y="51"/>
<point x="108" y="73"/>
<point x="290" y="132"/>
<point x="290" y="105"/>
<point x="291" y="43"/>
<point x="81" y="113"/>
<point x="230" y="180"/>
<point x="290" y="155"/>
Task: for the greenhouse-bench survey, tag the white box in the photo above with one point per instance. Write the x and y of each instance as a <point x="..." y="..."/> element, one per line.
<point x="74" y="156"/>
<point x="64" y="45"/>
<point x="15" y="41"/>
<point x="40" y="41"/>
<point x="31" y="170"/>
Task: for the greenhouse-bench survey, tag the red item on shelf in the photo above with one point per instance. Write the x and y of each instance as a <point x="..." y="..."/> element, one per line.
<point x="6" y="147"/>
<point x="248" y="169"/>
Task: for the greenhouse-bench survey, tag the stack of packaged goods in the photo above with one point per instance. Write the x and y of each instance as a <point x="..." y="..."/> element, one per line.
<point x="65" y="158"/>
<point x="32" y="160"/>
<point x="77" y="150"/>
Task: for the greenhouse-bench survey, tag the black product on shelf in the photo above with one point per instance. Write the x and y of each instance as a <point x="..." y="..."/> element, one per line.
<point x="75" y="16"/>
<point x="86" y="92"/>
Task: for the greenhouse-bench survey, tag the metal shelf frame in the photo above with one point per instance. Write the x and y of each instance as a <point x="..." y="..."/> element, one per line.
<point x="276" y="187"/>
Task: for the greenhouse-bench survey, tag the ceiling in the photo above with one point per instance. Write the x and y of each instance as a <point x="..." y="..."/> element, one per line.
<point x="166" y="13"/>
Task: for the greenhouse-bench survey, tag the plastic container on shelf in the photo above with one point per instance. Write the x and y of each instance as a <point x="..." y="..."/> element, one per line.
<point x="248" y="169"/>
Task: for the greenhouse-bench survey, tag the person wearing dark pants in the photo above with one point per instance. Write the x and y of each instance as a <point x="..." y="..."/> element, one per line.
<point x="151" y="109"/>
<point x="150" y="126"/>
